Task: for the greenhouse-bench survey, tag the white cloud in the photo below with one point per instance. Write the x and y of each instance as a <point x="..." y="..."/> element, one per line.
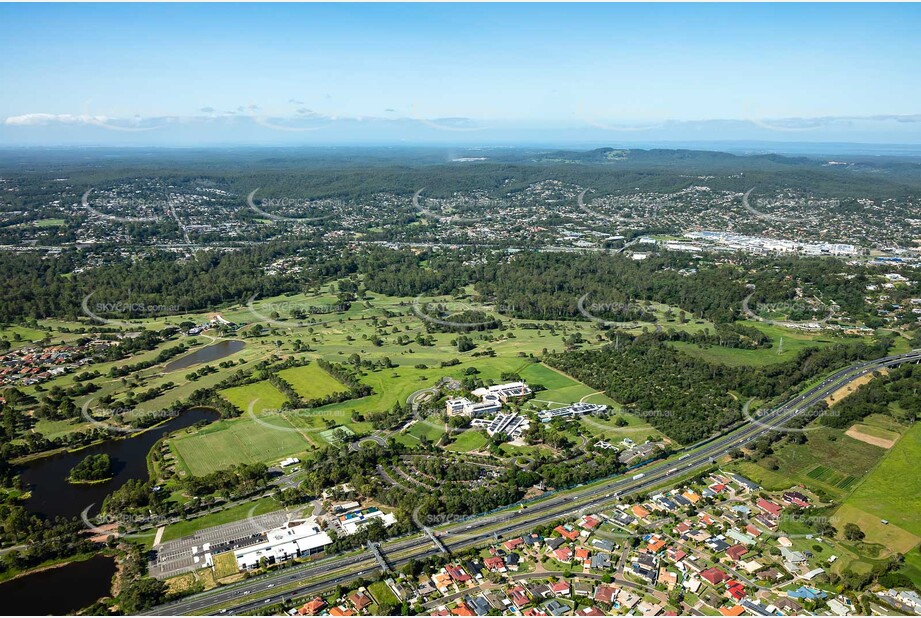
<point x="32" y="120"/>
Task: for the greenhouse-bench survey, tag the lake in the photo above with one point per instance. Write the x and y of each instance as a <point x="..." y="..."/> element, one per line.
<point x="207" y="354"/>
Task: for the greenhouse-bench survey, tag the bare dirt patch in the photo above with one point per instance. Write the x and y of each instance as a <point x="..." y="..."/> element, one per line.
<point x="846" y="390"/>
<point x="855" y="433"/>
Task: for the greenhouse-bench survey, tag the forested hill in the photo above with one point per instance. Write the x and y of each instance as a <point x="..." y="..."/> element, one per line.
<point x="354" y="172"/>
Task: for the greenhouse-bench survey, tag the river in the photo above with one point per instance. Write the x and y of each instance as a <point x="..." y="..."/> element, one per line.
<point x="46" y="478"/>
<point x="62" y="590"/>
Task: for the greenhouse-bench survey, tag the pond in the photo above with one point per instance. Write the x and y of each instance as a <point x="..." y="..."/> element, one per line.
<point x="62" y="590"/>
<point x="46" y="478"/>
<point x="207" y="354"/>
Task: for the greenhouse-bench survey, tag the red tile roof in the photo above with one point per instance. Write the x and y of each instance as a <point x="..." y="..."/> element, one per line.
<point x="713" y="575"/>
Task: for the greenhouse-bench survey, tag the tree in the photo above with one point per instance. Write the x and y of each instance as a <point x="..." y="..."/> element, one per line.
<point x="852" y="532"/>
<point x="142" y="594"/>
<point x="92" y="468"/>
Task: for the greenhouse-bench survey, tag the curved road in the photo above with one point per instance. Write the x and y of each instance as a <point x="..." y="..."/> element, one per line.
<point x="329" y="572"/>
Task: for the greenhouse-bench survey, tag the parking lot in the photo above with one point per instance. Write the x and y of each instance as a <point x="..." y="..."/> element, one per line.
<point x="176" y="557"/>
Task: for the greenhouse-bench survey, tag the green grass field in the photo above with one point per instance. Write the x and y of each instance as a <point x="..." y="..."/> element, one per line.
<point x="48" y="222"/>
<point x="21" y="335"/>
<point x="330" y="434"/>
<point x="311" y="381"/>
<point x="470" y="440"/>
<point x="264" y="394"/>
<point x="243" y="440"/>
<point x="383" y="595"/>
<point x="892" y="490"/>
<point x="829" y="461"/>
<point x="793" y="342"/>
<point x="234" y="513"/>
<point x="411" y="437"/>
<point x="912" y="567"/>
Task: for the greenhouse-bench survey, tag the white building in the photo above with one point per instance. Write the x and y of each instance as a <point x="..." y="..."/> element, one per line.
<point x="293" y="540"/>
<point x="351" y="522"/>
<point x="462" y="405"/>
<point x="573" y="411"/>
<point x="512" y="425"/>
<point x="504" y="391"/>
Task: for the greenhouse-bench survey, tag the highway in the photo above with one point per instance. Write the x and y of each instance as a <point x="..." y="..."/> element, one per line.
<point x="327" y="573"/>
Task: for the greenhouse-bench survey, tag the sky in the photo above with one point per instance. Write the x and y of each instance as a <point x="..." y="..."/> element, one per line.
<point x="284" y="73"/>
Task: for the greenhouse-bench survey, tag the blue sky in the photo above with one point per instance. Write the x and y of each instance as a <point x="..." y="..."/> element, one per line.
<point x="215" y="72"/>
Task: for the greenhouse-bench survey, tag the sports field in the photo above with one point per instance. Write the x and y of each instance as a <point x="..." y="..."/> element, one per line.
<point x="245" y="440"/>
<point x="311" y="381"/>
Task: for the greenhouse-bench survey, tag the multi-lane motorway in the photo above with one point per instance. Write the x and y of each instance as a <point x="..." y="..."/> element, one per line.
<point x="322" y="575"/>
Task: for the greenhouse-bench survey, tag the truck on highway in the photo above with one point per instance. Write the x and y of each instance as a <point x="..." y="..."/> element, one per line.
<point x="638" y="476"/>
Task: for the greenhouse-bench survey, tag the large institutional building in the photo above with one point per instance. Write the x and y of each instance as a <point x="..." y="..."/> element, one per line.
<point x="293" y="540"/>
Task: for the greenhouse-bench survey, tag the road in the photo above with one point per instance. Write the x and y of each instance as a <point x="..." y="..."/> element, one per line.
<point x="327" y="573"/>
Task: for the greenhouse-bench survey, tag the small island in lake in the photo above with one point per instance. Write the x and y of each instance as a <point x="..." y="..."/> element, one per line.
<point x="92" y="469"/>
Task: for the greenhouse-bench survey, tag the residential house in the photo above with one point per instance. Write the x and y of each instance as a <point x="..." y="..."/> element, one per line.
<point x="714" y="575"/>
<point x="736" y="552"/>
<point x="605" y="594"/>
<point x="518" y="597"/>
<point x="796" y="499"/>
<point x="567" y="532"/>
<point x="312" y="607"/>
<point x="563" y="554"/>
<point x="360" y="600"/>
<point x="770" y="508"/>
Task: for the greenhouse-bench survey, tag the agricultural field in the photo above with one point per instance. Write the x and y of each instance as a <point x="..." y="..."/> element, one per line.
<point x="892" y="491"/>
<point x="830" y="461"/>
<point x="870" y="482"/>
